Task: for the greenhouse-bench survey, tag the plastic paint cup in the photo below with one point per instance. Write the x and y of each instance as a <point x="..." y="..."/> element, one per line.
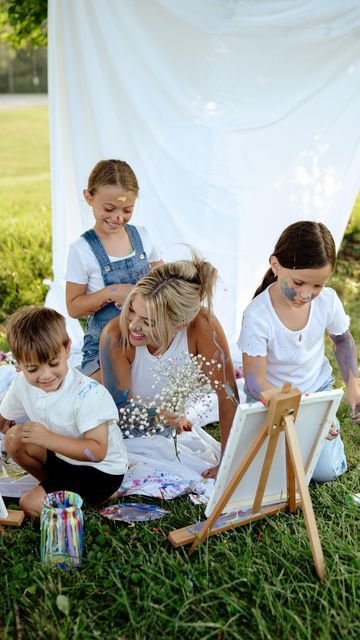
<point x="62" y="524"/>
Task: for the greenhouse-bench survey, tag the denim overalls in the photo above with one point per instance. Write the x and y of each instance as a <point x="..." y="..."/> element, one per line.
<point x="126" y="271"/>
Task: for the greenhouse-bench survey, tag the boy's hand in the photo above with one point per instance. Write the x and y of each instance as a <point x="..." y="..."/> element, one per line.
<point x="5" y="425"/>
<point x="35" y="433"/>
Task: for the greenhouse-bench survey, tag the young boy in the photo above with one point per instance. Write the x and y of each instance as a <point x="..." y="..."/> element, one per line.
<point x="71" y="440"/>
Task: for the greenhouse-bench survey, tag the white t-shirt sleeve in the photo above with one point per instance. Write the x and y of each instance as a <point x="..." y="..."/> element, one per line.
<point x="96" y="406"/>
<point x="338" y="321"/>
<point x="152" y="252"/>
<point x="11" y="406"/>
<point x="76" y="269"/>
<point x="253" y="339"/>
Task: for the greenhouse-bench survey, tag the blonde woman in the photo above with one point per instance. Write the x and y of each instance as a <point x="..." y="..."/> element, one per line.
<point x="164" y="316"/>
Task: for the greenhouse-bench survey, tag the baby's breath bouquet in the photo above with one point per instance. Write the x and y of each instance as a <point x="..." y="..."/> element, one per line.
<point x="183" y="382"/>
<point x="186" y="383"/>
<point x="139" y="417"/>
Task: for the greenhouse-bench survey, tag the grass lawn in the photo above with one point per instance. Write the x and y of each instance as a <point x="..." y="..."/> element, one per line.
<point x="254" y="582"/>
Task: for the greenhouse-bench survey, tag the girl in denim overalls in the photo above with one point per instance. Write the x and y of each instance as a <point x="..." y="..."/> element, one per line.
<point x="106" y="261"/>
<point x="283" y="328"/>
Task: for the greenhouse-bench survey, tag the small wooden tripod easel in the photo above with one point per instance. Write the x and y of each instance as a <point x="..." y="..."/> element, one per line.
<point x="10" y="517"/>
<point x="283" y="406"/>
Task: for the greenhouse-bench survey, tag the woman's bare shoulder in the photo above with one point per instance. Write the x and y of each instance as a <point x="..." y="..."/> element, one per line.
<point x="204" y="333"/>
<point x="111" y="339"/>
<point x="113" y="328"/>
<point x="203" y="322"/>
<point x="111" y="333"/>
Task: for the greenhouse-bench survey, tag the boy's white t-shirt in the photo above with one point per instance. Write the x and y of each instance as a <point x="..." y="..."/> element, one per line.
<point x="80" y="404"/>
<point x="83" y="267"/>
<point x="293" y="356"/>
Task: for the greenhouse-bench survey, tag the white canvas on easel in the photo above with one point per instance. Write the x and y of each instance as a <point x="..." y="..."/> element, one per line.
<point x="3" y="510"/>
<point x="270" y="456"/>
<point x="315" y="416"/>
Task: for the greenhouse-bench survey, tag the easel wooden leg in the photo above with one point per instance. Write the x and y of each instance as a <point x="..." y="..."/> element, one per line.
<point x="290" y="480"/>
<point x="240" y="472"/>
<point x="295" y="454"/>
<point x="265" y="472"/>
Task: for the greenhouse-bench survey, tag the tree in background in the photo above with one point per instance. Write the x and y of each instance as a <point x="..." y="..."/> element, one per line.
<point x="24" y="23"/>
<point x="23" y="40"/>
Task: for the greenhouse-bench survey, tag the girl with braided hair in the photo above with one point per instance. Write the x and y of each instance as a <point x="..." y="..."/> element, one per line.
<point x="164" y="316"/>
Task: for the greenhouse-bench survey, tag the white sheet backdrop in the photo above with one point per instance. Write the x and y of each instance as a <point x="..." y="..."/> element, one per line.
<point x="238" y="118"/>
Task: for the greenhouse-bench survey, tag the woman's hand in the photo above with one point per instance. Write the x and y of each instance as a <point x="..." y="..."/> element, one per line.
<point x="211" y="473"/>
<point x="173" y="420"/>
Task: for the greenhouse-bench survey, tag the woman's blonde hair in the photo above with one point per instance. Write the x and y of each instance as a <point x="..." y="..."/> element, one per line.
<point x="174" y="293"/>
<point x="112" y="172"/>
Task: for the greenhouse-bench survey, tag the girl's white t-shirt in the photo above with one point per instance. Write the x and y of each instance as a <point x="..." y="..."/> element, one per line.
<point x="293" y="356"/>
<point x="83" y="267"/>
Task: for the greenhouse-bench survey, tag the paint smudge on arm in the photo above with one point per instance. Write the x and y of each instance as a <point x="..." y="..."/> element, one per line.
<point x="228" y="388"/>
<point x="344" y="348"/>
<point x="254" y="387"/>
<point x="109" y="375"/>
<point x="90" y="456"/>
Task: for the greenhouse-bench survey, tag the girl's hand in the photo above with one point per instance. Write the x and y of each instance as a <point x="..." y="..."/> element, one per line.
<point x="173" y="420"/>
<point x="353" y="398"/>
<point x="118" y="293"/>
<point x="332" y="433"/>
<point x="36" y="433"/>
<point x="355" y="412"/>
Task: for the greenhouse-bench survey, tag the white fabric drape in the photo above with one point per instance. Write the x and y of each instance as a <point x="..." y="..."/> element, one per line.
<point x="238" y="118"/>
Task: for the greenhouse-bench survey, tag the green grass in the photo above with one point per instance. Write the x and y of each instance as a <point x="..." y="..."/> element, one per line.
<point x="25" y="220"/>
<point x="254" y="582"/>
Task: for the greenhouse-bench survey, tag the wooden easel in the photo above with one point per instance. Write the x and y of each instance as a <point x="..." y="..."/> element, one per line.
<point x="282" y="406"/>
<point x="14" y="519"/>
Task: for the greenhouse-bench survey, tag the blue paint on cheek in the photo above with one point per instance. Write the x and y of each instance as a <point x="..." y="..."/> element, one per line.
<point x="289" y="293"/>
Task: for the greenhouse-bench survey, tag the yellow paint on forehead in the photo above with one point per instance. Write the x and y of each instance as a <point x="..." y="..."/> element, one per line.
<point x="122" y="198"/>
